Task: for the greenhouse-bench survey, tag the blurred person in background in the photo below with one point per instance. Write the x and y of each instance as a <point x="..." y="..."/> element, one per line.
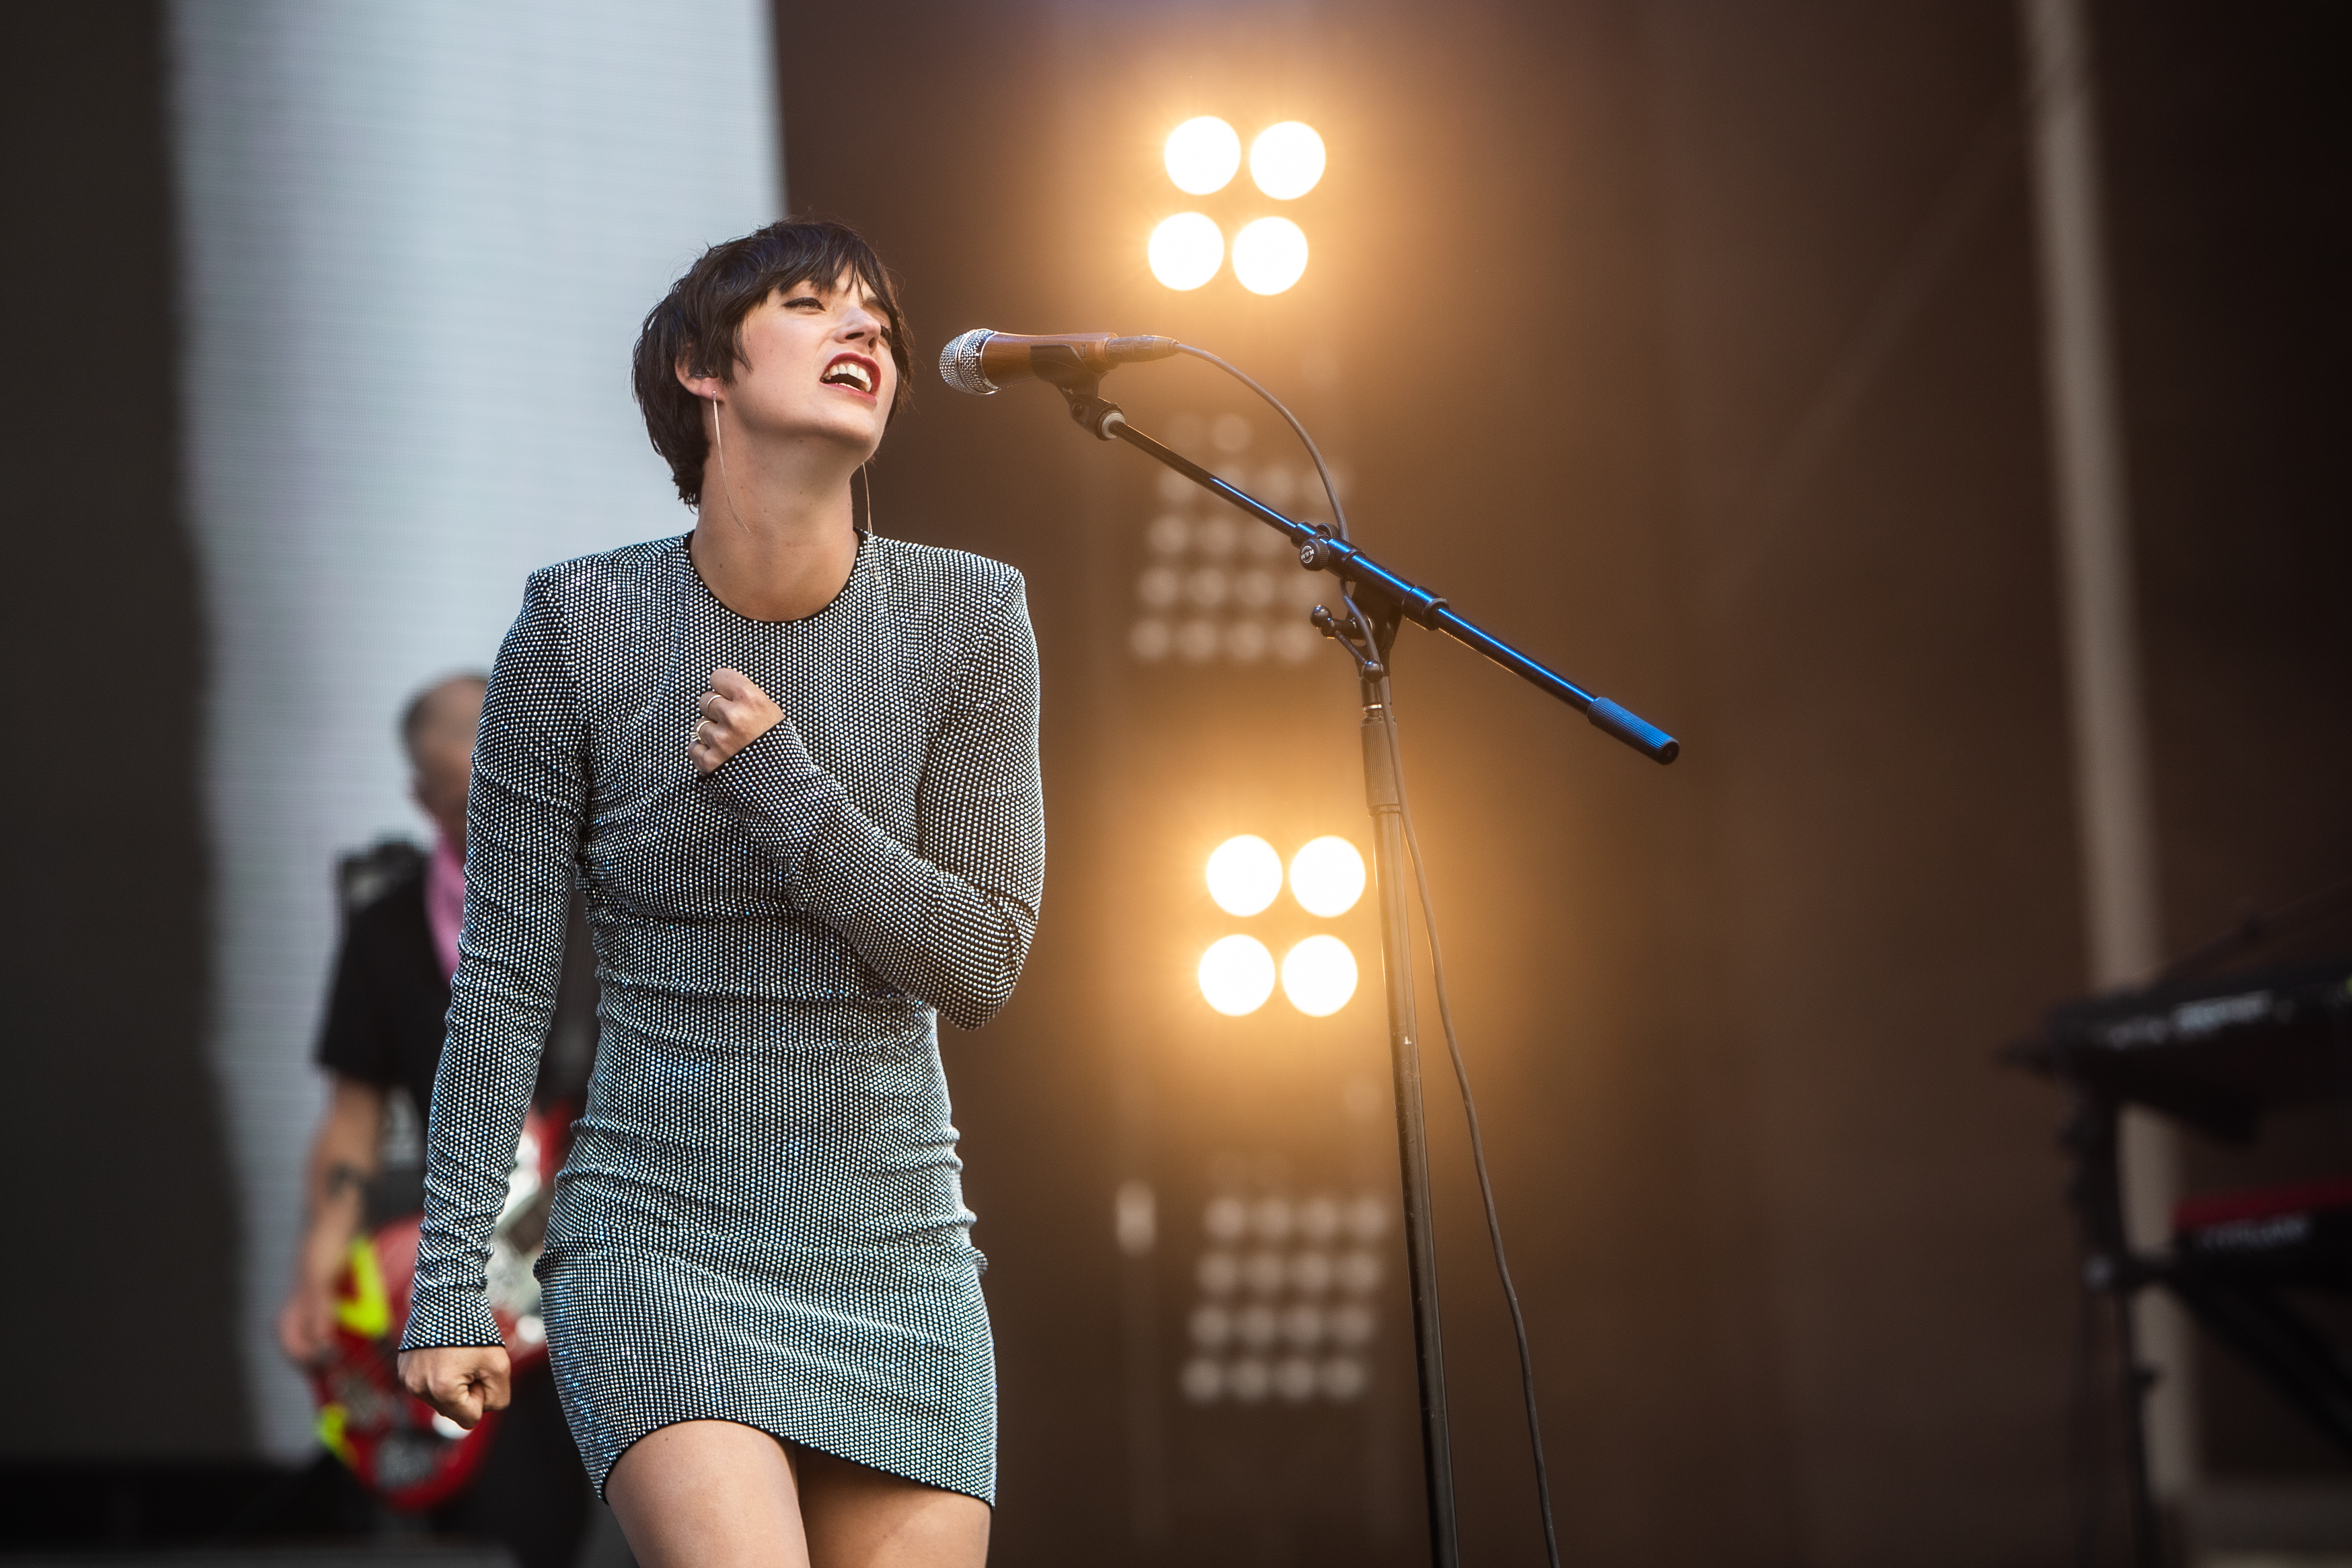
<point x="380" y="1045"/>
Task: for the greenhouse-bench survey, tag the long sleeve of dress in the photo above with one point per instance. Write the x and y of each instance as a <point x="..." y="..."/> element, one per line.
<point x="524" y="817"/>
<point x="948" y="920"/>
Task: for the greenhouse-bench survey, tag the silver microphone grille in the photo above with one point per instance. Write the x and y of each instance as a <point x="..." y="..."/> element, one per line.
<point x="960" y="364"/>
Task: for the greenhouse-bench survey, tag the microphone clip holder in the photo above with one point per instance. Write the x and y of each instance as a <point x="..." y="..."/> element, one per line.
<point x="1059" y="365"/>
<point x="1366" y="637"/>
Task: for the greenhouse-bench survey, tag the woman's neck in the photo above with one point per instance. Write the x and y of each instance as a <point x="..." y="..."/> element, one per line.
<point x="776" y="537"/>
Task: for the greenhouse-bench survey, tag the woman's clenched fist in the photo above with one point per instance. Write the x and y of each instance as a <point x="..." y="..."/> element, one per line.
<point x="735" y="713"/>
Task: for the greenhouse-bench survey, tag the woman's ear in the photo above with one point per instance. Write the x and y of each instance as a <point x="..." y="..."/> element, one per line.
<point x="706" y="388"/>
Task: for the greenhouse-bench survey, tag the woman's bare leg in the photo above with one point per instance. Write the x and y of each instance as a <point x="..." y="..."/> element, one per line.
<point x="858" y="1518"/>
<point x="713" y="1494"/>
<point x="708" y="1494"/>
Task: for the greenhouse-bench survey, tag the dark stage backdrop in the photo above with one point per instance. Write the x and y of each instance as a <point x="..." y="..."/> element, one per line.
<point x="1695" y="347"/>
<point x="116" y="1320"/>
<point x="2231" y="206"/>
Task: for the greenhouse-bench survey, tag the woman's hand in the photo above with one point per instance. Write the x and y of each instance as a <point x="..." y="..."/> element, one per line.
<point x="735" y="713"/>
<point x="464" y="1382"/>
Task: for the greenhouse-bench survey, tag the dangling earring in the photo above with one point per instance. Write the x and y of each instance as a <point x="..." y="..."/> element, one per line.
<point x="865" y="481"/>
<point x="718" y="440"/>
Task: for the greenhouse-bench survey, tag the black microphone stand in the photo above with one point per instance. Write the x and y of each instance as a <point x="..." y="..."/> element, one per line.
<point x="1378" y="601"/>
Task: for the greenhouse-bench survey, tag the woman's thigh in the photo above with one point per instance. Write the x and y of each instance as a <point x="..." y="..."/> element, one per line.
<point x="715" y="1494"/>
<point x="859" y="1518"/>
<point x="708" y="1494"/>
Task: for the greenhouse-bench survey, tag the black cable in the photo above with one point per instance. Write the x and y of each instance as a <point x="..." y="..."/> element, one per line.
<point x="1437" y="970"/>
<point x="1363" y="627"/>
<point x="1330" y="490"/>
<point x="1477" y="1147"/>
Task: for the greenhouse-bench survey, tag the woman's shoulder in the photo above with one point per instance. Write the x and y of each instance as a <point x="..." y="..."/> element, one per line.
<point x="953" y="583"/>
<point x="607" y="581"/>
<point x="946" y="603"/>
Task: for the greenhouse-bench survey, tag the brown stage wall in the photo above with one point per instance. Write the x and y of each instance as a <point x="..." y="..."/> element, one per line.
<point x="1695" y="346"/>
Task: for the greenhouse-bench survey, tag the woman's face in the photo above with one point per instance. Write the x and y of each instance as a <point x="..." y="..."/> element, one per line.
<point x="819" y="365"/>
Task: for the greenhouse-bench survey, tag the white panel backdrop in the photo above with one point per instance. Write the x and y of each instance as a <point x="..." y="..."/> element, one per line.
<point x="417" y="241"/>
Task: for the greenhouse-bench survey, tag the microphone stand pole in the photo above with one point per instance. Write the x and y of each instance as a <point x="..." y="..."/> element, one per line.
<point x="1369" y="636"/>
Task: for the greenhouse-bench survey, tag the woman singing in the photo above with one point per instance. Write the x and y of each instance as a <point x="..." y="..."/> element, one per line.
<point x="795" y="767"/>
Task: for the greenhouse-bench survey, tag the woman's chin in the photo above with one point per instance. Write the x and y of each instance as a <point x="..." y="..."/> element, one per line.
<point x="853" y="432"/>
<point x="861" y="441"/>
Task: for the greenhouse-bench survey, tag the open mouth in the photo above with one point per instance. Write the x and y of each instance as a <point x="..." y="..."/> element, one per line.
<point x="855" y="372"/>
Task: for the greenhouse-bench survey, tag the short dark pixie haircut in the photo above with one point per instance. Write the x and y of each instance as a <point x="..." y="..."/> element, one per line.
<point x="700" y="321"/>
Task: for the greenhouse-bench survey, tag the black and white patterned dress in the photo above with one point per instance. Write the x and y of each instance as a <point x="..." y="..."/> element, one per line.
<point x="761" y="1219"/>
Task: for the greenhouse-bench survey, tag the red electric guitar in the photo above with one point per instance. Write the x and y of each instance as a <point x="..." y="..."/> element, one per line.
<point x="398" y="1445"/>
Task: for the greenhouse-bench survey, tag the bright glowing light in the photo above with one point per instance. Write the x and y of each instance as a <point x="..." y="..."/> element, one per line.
<point x="1244" y="874"/>
<point x="1203" y="154"/>
<point x="1285" y="159"/>
<point x="1327" y="876"/>
<point x="1269" y="255"/>
<point x="1237" y="975"/>
<point x="1318" y="976"/>
<point x="1186" y="250"/>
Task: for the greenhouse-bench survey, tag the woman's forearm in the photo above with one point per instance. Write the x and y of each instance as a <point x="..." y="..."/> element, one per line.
<point x="522" y="837"/>
<point x="948" y="920"/>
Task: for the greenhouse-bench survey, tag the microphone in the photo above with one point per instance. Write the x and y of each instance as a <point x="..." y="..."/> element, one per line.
<point x="982" y="363"/>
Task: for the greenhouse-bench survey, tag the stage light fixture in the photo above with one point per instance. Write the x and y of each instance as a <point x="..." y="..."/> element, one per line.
<point x="1244" y="874"/>
<point x="1318" y="976"/>
<point x="1212" y="1326"/>
<point x="1344" y="1378"/>
<point x="1287" y="159"/>
<point x="1203" y="154"/>
<point x="1327" y="876"/>
<point x="1186" y="250"/>
<point x="1257" y="1325"/>
<point x="1237" y="975"/>
<point x="1269" y="255"/>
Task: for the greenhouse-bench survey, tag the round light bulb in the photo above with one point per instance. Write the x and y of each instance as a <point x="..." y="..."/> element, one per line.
<point x="1244" y="874"/>
<point x="1285" y="159"/>
<point x="1237" y="975"/>
<point x="1318" y="976"/>
<point x="1186" y="250"/>
<point x="1327" y="876"/>
<point x="1269" y="255"/>
<point x="1203" y="154"/>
